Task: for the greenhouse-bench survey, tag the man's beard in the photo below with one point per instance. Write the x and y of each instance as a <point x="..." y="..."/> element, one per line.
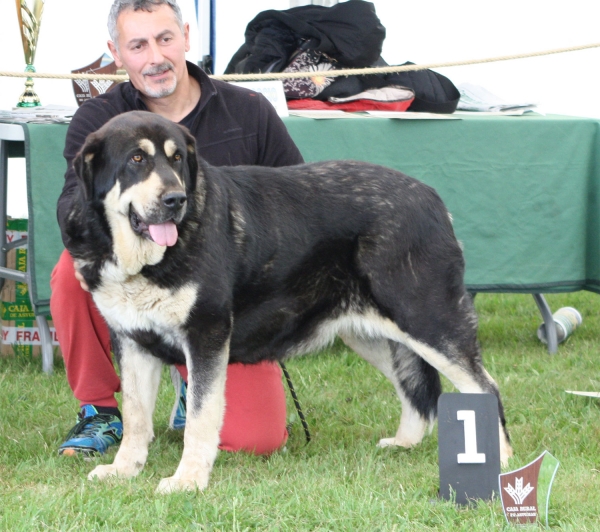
<point x="168" y="85"/>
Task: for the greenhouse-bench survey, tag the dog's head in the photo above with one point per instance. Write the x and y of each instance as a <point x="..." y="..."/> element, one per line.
<point x="143" y="168"/>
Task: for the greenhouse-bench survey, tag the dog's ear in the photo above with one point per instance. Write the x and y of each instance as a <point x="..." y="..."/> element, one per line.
<point x="192" y="159"/>
<point x="85" y="163"/>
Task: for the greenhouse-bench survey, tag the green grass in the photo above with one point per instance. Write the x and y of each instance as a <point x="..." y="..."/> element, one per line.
<point x="341" y="480"/>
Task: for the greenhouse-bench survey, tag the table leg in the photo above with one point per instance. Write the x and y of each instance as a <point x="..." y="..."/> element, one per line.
<point x="549" y="322"/>
<point x="3" y="185"/>
<point x="46" y="339"/>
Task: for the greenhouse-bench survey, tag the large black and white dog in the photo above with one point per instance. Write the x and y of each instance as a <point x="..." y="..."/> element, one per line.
<point x="194" y="264"/>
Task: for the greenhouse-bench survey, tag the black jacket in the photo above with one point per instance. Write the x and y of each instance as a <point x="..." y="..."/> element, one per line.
<point x="350" y="33"/>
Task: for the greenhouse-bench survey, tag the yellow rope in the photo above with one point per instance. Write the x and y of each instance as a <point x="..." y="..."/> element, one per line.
<point x="329" y="73"/>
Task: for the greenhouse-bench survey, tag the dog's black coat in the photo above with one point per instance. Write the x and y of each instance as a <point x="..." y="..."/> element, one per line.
<point x="276" y="253"/>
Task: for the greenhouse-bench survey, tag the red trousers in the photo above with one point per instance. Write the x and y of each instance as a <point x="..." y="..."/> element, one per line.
<point x="255" y="414"/>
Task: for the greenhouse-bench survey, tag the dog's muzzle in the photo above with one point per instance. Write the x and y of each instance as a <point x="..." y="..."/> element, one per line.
<point x="161" y="226"/>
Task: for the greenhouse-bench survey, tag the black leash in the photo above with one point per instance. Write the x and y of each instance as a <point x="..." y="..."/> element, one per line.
<point x="296" y="402"/>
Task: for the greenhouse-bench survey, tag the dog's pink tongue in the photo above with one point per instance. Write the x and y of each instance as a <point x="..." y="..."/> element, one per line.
<point x="164" y="234"/>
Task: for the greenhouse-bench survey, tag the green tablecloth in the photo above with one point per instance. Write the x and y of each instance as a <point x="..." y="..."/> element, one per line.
<point x="523" y="191"/>
<point x="46" y="166"/>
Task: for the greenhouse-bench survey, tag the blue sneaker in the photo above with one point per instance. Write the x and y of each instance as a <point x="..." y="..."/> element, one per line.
<point x="93" y="434"/>
<point x="177" y="419"/>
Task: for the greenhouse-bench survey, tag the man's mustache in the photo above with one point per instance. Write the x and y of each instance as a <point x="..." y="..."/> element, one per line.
<point x="159" y="69"/>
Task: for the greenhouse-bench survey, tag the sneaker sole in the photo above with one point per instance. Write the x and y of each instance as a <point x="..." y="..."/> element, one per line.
<point x="70" y="451"/>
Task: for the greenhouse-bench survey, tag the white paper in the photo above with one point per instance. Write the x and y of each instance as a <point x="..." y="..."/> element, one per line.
<point x="41" y="114"/>
<point x="272" y="90"/>
<point x="476" y="98"/>
<point x="411" y="115"/>
<point x="318" y="114"/>
<point x="338" y="113"/>
<point x="586" y="394"/>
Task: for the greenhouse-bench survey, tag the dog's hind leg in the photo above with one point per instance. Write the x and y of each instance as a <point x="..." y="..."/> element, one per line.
<point x="140" y="379"/>
<point x="434" y="317"/>
<point x="416" y="382"/>
<point x="461" y="363"/>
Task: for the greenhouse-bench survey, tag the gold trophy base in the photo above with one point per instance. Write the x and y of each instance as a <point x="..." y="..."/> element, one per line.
<point x="29" y="98"/>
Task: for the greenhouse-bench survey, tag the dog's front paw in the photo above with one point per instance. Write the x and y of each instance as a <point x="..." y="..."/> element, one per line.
<point x="395" y="442"/>
<point x="105" y="471"/>
<point x="173" y="484"/>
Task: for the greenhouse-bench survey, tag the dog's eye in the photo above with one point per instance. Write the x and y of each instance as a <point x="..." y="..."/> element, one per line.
<point x="137" y="158"/>
<point x="177" y="157"/>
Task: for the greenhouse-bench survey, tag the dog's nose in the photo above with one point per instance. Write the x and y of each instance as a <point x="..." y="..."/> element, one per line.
<point x="174" y="200"/>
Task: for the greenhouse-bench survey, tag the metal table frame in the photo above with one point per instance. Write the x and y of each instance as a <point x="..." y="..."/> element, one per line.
<point x="8" y="133"/>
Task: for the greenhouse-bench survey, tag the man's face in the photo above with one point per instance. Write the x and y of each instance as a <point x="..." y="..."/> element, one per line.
<point x="151" y="48"/>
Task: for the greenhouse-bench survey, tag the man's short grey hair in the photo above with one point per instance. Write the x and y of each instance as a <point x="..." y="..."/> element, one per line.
<point x="138" y="5"/>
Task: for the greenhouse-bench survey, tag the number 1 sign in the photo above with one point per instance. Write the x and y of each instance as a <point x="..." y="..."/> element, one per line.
<point x="469" y="448"/>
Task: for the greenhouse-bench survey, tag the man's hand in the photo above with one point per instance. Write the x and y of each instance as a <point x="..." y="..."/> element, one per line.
<point x="81" y="280"/>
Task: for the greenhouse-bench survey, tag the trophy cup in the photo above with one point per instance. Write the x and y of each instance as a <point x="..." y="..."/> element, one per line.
<point x="29" y="24"/>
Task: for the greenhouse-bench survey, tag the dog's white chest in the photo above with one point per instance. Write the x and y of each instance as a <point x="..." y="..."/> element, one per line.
<point x="136" y="303"/>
